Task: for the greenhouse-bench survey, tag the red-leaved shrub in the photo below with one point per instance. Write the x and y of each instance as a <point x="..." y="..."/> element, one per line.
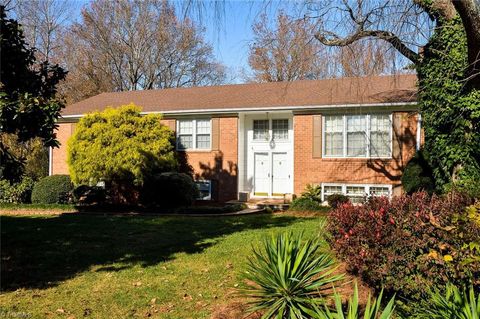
<point x="410" y="243"/>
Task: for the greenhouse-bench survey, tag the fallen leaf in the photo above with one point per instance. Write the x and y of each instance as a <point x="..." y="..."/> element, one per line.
<point x="137" y="284"/>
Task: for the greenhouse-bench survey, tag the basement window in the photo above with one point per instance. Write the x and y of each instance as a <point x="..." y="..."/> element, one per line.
<point x="356" y="192"/>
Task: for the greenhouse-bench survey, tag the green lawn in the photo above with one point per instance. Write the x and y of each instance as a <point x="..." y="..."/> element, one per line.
<point x="74" y="266"/>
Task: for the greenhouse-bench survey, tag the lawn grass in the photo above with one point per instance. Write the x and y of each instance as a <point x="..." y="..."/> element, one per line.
<point x="14" y="207"/>
<point x="79" y="266"/>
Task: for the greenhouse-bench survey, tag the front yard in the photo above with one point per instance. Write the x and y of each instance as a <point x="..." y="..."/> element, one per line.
<point x="76" y="266"/>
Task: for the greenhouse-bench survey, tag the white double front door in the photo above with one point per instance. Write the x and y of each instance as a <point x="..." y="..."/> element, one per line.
<point x="272" y="175"/>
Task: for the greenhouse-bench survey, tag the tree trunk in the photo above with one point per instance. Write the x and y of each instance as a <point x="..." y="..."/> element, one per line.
<point x="469" y="11"/>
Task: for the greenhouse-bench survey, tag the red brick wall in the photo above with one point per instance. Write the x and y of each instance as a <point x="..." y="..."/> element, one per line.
<point x="344" y="170"/>
<point x="220" y="166"/>
<point x="59" y="155"/>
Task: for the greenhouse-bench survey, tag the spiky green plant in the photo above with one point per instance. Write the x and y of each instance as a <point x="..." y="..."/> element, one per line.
<point x="313" y="192"/>
<point x="455" y="303"/>
<point x="373" y="308"/>
<point x="287" y="275"/>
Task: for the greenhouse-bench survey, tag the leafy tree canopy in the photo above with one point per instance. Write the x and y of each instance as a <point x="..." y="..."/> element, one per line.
<point x="120" y="147"/>
<point x="28" y="106"/>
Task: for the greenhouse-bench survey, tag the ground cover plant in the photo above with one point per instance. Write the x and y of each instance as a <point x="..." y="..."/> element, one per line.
<point x="123" y="266"/>
<point x="411" y="244"/>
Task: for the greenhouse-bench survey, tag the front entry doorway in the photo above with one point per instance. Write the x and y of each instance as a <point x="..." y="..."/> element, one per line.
<point x="272" y="175"/>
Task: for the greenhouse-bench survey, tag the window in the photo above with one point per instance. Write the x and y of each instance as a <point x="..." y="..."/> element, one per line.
<point x="357" y="135"/>
<point x="185" y="135"/>
<point x="331" y="189"/>
<point x="356" y="193"/>
<point x="379" y="191"/>
<point x="280" y="129"/>
<point x="260" y="130"/>
<point x="203" y="134"/>
<point x="379" y="135"/>
<point x="333" y="135"/>
<point x="193" y="134"/>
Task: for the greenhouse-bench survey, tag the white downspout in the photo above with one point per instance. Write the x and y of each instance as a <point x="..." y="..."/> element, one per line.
<point x="419" y="131"/>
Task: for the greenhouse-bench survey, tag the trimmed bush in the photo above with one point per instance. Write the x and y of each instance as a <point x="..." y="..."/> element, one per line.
<point x="418" y="174"/>
<point x="411" y="244"/>
<point x="336" y="200"/>
<point x="305" y="204"/>
<point x="169" y="190"/>
<point x="17" y="192"/>
<point x="55" y="189"/>
<point x="122" y="148"/>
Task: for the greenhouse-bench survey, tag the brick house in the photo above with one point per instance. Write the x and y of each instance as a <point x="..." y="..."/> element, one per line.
<point x="350" y="135"/>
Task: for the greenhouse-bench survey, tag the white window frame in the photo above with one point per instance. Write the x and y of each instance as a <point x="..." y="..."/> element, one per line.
<point x="270" y="130"/>
<point x="365" y="186"/>
<point x="194" y="134"/>
<point x="367" y="145"/>
<point x="288" y="129"/>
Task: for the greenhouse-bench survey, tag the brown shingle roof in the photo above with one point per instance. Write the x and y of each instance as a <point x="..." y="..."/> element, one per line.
<point x="341" y="91"/>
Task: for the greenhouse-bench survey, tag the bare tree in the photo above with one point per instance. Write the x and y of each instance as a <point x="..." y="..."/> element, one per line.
<point x="142" y="45"/>
<point x="288" y="51"/>
<point x="364" y="58"/>
<point x="404" y="24"/>
<point x="42" y="22"/>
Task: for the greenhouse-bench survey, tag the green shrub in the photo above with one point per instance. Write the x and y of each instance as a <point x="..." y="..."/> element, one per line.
<point x="410" y="244"/>
<point x="305" y="204"/>
<point x="17" y="192"/>
<point x="55" y="189"/>
<point x="122" y="148"/>
<point x="418" y="174"/>
<point x="169" y="190"/>
<point x="336" y="200"/>
<point x="313" y="192"/>
<point x="287" y="276"/>
<point x="88" y="195"/>
<point x="454" y="304"/>
<point x="373" y="308"/>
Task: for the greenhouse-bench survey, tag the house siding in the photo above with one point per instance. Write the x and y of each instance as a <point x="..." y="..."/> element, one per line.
<point x="310" y="169"/>
<point x="59" y="154"/>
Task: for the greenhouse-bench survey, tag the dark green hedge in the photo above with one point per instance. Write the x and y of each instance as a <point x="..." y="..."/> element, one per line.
<point x="55" y="189"/>
<point x="169" y="190"/>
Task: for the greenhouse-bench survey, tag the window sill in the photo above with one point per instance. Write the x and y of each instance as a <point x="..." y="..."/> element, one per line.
<point x="194" y="150"/>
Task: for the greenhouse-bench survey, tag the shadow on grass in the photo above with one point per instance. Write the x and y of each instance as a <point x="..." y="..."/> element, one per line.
<point x="41" y="252"/>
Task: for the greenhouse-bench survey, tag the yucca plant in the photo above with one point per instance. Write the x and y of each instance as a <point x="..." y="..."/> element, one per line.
<point x="287" y="275"/>
<point x="373" y="308"/>
<point x="455" y="303"/>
